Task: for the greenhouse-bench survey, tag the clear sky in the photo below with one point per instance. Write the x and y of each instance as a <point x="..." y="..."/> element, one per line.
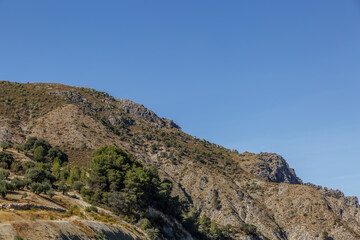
<point x="258" y="76"/>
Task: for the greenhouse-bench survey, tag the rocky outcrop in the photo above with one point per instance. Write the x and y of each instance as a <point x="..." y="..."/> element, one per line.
<point x="348" y="200"/>
<point x="142" y="112"/>
<point x="273" y="168"/>
<point x="128" y="106"/>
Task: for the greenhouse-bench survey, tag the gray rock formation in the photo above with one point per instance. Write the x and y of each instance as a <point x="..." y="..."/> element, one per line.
<point x="337" y="194"/>
<point x="142" y="112"/>
<point x="274" y="168"/>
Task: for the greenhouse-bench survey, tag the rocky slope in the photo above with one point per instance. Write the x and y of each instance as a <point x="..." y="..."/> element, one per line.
<point x="231" y="188"/>
<point x="64" y="230"/>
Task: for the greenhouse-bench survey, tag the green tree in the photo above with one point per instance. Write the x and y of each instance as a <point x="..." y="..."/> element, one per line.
<point x="56" y="168"/>
<point x="55" y="152"/>
<point x="74" y="175"/>
<point x="18" y="184"/>
<point x="6" y="159"/>
<point x="4" y="174"/>
<point x="36" y="188"/>
<point x="63" y="188"/>
<point x="204" y="224"/>
<point x="44" y="144"/>
<point x="38" y="175"/>
<point x="39" y="154"/>
<point x="3" y="188"/>
<point x="50" y="192"/>
<point x="215" y="232"/>
<point x="117" y="203"/>
<point x="29" y="145"/>
<point x="64" y="173"/>
<point x="27" y="165"/>
<point x="15" y="167"/>
<point x="78" y="185"/>
<point x="109" y="165"/>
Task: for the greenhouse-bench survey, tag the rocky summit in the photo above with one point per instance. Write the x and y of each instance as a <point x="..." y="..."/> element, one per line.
<point x="230" y="195"/>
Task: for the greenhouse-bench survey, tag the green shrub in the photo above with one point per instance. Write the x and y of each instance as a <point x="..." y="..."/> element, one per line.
<point x="15" y="167"/>
<point x="6" y="159"/>
<point x="18" y="184"/>
<point x="325" y="235"/>
<point x="27" y="165"/>
<point x="153" y="233"/>
<point x="4" y="174"/>
<point x="249" y="229"/>
<point x="5" y="145"/>
<point x="145" y="224"/>
<point x="91" y="209"/>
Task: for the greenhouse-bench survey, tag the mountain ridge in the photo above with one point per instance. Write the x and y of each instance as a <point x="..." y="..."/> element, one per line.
<point x="229" y="187"/>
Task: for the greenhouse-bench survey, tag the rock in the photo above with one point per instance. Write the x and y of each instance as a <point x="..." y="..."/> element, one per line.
<point x="142" y="112"/>
<point x="337" y="194"/>
<point x="273" y="168"/>
<point x="27" y="206"/>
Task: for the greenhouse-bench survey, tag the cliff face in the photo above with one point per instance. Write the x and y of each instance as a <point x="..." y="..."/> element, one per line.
<point x="273" y="168"/>
<point x="231" y="188"/>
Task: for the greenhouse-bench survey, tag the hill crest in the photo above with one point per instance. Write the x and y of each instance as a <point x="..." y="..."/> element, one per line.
<point x="230" y="187"/>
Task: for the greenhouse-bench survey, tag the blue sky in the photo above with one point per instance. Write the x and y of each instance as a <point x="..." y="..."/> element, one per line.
<point x="258" y="76"/>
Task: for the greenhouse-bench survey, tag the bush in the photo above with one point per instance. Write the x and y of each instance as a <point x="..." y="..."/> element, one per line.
<point x="5" y="145"/>
<point x="18" y="184"/>
<point x="38" y="175"/>
<point x="42" y="143"/>
<point x="4" y="165"/>
<point x="27" y="165"/>
<point x="24" y="195"/>
<point x="145" y="224"/>
<point x="29" y="145"/>
<point x="4" y="174"/>
<point x="249" y="229"/>
<point x="55" y="152"/>
<point x="15" y="167"/>
<point x="91" y="209"/>
<point x="153" y="233"/>
<point x="78" y="186"/>
<point x="6" y="159"/>
<point x="325" y="235"/>
<point x="50" y="192"/>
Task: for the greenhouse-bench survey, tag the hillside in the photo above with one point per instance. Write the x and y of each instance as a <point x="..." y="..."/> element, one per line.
<point x="229" y="187"/>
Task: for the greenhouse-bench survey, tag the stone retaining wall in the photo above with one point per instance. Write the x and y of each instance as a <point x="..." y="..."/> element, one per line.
<point x="27" y="206"/>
